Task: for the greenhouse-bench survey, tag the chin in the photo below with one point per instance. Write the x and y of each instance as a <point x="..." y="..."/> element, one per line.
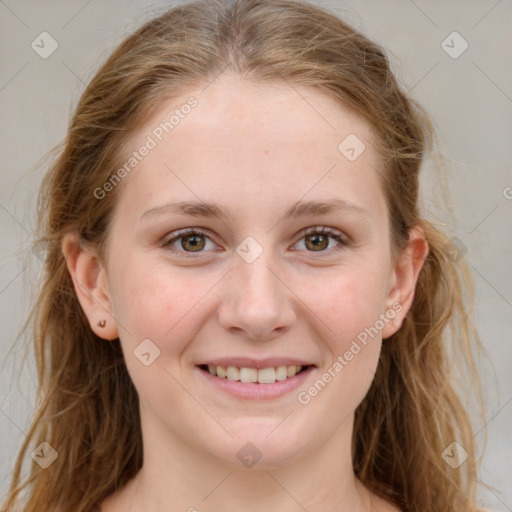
<point x="261" y="448"/>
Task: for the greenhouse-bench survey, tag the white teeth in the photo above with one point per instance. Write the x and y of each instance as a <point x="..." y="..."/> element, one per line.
<point x="248" y="375"/>
<point x="266" y="375"/>
<point x="281" y="373"/>
<point x="233" y="373"/>
<point x="263" y="376"/>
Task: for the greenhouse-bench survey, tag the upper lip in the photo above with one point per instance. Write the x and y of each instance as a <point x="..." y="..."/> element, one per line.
<point x="247" y="362"/>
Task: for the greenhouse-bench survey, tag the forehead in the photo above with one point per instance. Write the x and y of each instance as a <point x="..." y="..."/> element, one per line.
<point x="232" y="106"/>
<point x="251" y="138"/>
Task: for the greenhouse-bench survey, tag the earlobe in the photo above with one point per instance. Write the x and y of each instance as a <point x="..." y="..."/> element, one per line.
<point x="89" y="280"/>
<point x="405" y="276"/>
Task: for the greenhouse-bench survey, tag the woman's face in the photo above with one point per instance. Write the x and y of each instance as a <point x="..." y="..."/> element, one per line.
<point x="250" y="284"/>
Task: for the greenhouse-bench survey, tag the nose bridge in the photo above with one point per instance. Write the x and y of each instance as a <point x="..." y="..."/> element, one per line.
<point x="258" y="281"/>
<point x="258" y="301"/>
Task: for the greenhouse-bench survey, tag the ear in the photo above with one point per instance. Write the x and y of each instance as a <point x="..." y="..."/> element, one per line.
<point x="90" y="282"/>
<point x="404" y="278"/>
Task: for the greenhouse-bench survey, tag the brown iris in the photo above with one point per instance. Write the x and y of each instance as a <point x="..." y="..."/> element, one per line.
<point x="195" y="242"/>
<point x="317" y="245"/>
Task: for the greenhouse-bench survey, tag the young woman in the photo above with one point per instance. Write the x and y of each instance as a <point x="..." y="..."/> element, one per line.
<point x="242" y="306"/>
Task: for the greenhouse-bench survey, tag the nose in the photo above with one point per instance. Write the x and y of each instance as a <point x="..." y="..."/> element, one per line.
<point x="257" y="301"/>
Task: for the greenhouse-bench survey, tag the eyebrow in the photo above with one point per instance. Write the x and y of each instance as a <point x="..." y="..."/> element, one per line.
<point x="299" y="209"/>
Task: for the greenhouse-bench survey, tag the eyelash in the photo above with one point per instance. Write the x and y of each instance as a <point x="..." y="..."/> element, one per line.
<point x="317" y="230"/>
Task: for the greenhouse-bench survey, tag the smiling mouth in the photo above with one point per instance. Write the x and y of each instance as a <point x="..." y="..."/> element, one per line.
<point x="254" y="375"/>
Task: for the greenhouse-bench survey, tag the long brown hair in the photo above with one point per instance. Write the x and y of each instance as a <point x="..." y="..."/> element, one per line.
<point x="87" y="405"/>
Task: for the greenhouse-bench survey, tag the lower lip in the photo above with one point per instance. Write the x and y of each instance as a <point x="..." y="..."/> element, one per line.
<point x="254" y="390"/>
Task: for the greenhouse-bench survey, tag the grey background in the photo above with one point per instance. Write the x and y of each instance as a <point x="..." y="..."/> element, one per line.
<point x="469" y="99"/>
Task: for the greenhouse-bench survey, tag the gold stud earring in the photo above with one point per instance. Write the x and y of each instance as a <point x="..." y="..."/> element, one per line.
<point x="102" y="323"/>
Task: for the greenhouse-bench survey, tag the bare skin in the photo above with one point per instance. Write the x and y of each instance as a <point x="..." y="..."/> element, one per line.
<point x="255" y="150"/>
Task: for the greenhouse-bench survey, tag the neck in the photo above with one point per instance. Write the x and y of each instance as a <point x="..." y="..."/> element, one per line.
<point x="178" y="475"/>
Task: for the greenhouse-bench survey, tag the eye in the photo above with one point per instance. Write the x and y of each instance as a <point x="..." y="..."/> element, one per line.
<point x="193" y="240"/>
<point x="317" y="239"/>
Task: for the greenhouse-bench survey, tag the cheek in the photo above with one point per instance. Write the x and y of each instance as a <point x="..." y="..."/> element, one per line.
<point x="161" y="303"/>
<point x="350" y="305"/>
<point x="347" y="302"/>
<point x="167" y="307"/>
